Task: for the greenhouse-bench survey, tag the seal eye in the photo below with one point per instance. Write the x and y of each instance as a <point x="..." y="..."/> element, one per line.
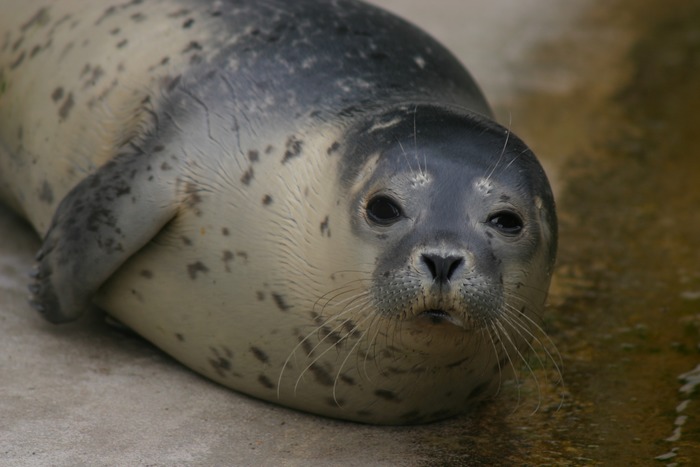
<point x="383" y="210"/>
<point x="506" y="222"/>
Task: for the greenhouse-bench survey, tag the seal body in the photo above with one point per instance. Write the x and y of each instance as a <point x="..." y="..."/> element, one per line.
<point x="305" y="201"/>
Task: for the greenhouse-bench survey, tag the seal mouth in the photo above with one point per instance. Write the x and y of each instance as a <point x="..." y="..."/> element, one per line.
<point x="439" y="316"/>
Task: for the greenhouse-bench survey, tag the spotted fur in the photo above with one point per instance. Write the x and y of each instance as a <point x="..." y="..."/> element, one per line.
<point x="203" y="170"/>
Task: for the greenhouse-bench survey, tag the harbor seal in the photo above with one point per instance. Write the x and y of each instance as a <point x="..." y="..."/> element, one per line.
<point x="308" y="202"/>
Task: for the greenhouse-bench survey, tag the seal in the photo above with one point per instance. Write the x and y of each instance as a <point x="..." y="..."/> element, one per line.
<point x="308" y="202"/>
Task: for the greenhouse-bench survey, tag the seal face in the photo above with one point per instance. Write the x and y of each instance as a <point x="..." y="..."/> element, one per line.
<point x="304" y="201"/>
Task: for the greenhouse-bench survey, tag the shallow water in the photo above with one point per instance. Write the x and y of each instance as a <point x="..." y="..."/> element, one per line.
<point x="608" y="97"/>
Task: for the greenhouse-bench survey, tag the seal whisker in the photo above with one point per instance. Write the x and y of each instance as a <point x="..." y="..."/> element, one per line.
<point x="516" y="320"/>
<point x="498" y="358"/>
<point x="405" y="156"/>
<point x="532" y="327"/>
<point x="497" y="330"/>
<point x="524" y="360"/>
<point x="502" y="153"/>
<point x="422" y="171"/>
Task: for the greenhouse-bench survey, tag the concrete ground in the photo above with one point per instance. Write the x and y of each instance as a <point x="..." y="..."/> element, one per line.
<point x="90" y="395"/>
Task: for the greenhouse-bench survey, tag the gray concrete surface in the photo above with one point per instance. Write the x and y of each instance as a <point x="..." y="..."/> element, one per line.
<point x="87" y="394"/>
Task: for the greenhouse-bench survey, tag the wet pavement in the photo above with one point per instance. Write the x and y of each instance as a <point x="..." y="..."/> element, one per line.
<point x="607" y="94"/>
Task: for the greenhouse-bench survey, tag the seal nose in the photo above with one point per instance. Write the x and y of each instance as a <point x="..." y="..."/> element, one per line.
<point x="442" y="267"/>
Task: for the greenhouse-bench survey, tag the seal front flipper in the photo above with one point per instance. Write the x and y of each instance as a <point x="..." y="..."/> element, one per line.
<point x="102" y="221"/>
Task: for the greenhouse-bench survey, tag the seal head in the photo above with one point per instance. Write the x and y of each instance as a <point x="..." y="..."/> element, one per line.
<point x="460" y="214"/>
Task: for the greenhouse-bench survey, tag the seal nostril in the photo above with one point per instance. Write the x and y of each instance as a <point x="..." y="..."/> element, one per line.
<point x="441" y="267"/>
<point x="428" y="260"/>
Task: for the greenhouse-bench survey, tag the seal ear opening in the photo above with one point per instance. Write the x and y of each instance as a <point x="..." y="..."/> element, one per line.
<point x="103" y="221"/>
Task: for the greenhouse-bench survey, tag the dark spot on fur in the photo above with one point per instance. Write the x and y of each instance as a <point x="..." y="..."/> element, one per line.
<point x="107" y="13"/>
<point x="194" y="268"/>
<point x="188" y="23"/>
<point x="138" y="17"/>
<point x="325" y="228"/>
<point x="330" y="335"/>
<point x="333" y="148"/>
<point x="17" y="43"/>
<point x="46" y="193"/>
<point x="347" y="380"/>
<point x="147" y="273"/>
<point x="269" y="149"/>
<point x="247" y="176"/>
<point x="260" y="355"/>
<point x="179" y="337"/>
<point x="293" y="148"/>
<point x="115" y="31"/>
<point x="35" y="50"/>
<point x="225" y="232"/>
<point x="40" y="18"/>
<point x="243" y="255"/>
<point x="97" y="73"/>
<point x="280" y="302"/>
<point x="387" y="395"/>
<point x="350" y="328"/>
<point x="221" y="365"/>
<point x="192" y="46"/>
<point x="335" y="402"/>
<point x="227" y="257"/>
<point x="18" y="61"/>
<point x="265" y="381"/>
<point x="260" y="295"/>
<point x="66" y="107"/>
<point x="253" y="155"/>
<point x="122" y="43"/>
<point x="158" y="148"/>
<point x="321" y="375"/>
<point x="316" y="317"/>
<point x="193" y="198"/>
<point x="478" y="390"/>
<point x="138" y="295"/>
<point x="173" y="83"/>
<point x="267" y="200"/>
<point x="307" y="347"/>
<point x="165" y="166"/>
<point x="381" y="56"/>
<point x="186" y="241"/>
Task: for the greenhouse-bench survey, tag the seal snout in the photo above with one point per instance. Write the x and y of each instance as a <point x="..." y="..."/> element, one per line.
<point x="442" y="267"/>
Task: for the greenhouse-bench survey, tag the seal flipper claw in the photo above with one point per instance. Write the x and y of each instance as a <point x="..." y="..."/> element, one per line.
<point x="102" y="221"/>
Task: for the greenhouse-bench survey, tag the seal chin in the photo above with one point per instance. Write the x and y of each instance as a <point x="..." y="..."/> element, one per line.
<point x="437" y="316"/>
